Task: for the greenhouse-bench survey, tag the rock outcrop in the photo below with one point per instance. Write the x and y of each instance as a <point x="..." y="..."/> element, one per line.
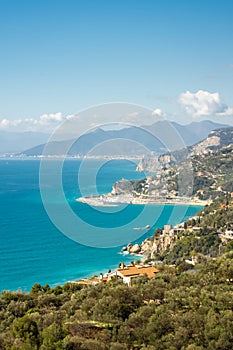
<point x="155" y="245"/>
<point x="156" y="163"/>
<point x="136" y="248"/>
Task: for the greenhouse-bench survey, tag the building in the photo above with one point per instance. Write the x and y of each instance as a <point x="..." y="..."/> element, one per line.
<point x="229" y="234"/>
<point x="128" y="273"/>
<point x="167" y="228"/>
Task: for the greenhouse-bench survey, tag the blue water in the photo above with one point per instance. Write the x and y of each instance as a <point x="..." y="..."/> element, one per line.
<point x="33" y="250"/>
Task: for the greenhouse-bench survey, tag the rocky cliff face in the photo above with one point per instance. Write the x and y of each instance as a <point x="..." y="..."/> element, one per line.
<point x="121" y="187"/>
<point x="156" y="163"/>
<point x="204" y="147"/>
<point x="128" y="187"/>
<point x="155" y="245"/>
<point x="159" y="245"/>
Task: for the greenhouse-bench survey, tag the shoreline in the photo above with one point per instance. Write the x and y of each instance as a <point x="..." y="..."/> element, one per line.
<point x="87" y="277"/>
<point x="111" y="201"/>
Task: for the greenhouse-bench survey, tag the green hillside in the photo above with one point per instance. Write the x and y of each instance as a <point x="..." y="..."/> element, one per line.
<point x="176" y="310"/>
<point x="204" y="176"/>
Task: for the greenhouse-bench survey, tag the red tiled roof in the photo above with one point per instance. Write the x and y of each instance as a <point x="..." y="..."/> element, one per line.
<point x="136" y="271"/>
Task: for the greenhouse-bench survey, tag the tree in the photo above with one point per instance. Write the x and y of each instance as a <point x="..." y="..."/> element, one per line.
<point x="26" y="329"/>
<point x="53" y="336"/>
<point x="37" y="288"/>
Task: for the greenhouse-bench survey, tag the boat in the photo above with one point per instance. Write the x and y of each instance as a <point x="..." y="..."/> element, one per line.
<point x="142" y="228"/>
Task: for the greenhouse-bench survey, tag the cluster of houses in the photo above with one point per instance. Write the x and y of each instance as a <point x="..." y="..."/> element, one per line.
<point x="126" y="273"/>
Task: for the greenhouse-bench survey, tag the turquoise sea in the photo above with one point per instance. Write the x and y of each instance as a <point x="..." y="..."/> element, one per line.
<point x="33" y="250"/>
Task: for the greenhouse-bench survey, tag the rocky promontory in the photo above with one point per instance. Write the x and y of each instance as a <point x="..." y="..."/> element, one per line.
<point x="138" y="249"/>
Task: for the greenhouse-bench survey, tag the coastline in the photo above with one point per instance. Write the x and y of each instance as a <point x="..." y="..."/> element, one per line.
<point x="41" y="264"/>
<point x="115" y="200"/>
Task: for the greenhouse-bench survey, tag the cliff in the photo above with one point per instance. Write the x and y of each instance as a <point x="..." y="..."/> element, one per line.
<point x="162" y="241"/>
<point x="215" y="140"/>
<point x="154" y="164"/>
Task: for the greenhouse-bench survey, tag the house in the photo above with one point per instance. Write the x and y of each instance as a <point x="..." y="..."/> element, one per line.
<point x="167" y="228"/>
<point x="196" y="228"/>
<point x="128" y="273"/>
<point x="201" y="192"/>
<point x="229" y="234"/>
<point x="193" y="261"/>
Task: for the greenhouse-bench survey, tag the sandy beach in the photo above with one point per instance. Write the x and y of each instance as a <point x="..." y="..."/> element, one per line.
<point x="114" y="200"/>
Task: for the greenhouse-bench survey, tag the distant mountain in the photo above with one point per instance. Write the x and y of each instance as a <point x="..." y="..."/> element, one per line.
<point x="15" y="142"/>
<point x="132" y="140"/>
<point x="197" y="131"/>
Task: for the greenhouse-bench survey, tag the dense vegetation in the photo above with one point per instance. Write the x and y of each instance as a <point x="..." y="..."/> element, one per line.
<point x="203" y="243"/>
<point x="211" y="174"/>
<point x="176" y="310"/>
<point x="213" y="171"/>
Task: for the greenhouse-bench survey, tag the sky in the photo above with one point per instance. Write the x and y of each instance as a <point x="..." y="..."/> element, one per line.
<point x="59" y="57"/>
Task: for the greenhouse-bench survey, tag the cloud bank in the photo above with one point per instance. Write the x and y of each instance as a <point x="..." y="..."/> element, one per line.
<point x="45" y="122"/>
<point x="204" y="103"/>
<point x="199" y="104"/>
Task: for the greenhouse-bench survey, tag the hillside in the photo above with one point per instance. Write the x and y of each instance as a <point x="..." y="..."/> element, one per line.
<point x="199" y="239"/>
<point x="201" y="175"/>
<point x="216" y="139"/>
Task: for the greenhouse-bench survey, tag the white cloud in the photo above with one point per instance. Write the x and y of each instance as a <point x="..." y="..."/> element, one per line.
<point x="204" y="103"/>
<point x="6" y="123"/>
<point x="71" y="116"/>
<point x="158" y="112"/>
<point x="46" y="119"/>
<point x="46" y="122"/>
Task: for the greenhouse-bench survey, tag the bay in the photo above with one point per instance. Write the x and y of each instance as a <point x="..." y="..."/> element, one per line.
<point x="33" y="250"/>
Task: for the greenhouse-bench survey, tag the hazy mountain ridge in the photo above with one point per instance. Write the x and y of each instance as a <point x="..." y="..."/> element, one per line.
<point x="131" y="140"/>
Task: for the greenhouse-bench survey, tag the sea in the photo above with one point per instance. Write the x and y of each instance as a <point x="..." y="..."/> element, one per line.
<point x="33" y="248"/>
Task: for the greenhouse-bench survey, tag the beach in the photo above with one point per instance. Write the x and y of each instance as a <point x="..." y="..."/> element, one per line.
<point x="114" y="200"/>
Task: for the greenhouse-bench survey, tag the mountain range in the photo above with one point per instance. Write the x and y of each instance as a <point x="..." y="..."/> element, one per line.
<point x="131" y="140"/>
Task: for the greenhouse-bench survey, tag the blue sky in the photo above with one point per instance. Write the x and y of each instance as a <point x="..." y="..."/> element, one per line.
<point x="58" y="57"/>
